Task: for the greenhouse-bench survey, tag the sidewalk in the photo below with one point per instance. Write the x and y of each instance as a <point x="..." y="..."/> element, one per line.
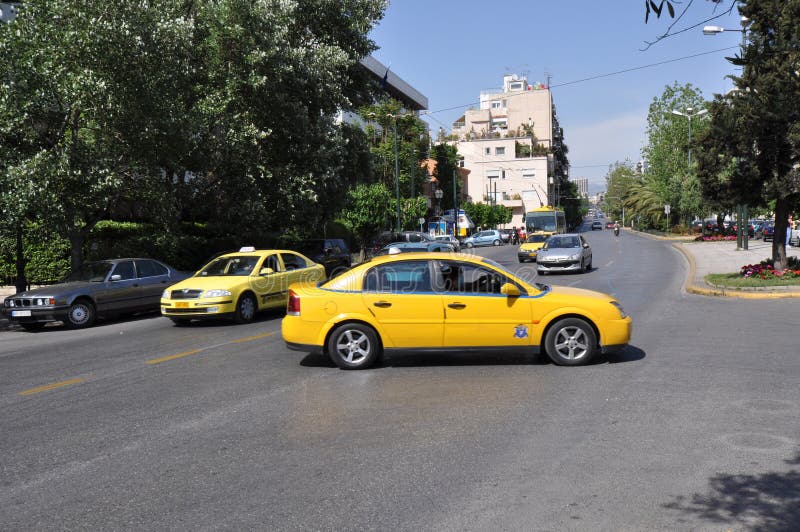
<point x="723" y="257"/>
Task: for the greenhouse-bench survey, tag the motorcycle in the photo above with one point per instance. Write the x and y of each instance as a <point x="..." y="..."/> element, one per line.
<point x="616" y="231"/>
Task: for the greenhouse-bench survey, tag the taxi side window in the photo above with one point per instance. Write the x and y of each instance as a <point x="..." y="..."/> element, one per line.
<point x="465" y="278"/>
<point x="292" y="261"/>
<point x="399" y="277"/>
<point x="272" y="262"/>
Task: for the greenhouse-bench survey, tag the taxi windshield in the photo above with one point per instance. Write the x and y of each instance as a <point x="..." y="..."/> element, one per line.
<point x="229" y="265"/>
<point x="535" y="239"/>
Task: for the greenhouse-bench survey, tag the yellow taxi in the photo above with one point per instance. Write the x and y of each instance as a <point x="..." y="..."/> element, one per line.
<point x="430" y="301"/>
<point x="238" y="285"/>
<point x="529" y="249"/>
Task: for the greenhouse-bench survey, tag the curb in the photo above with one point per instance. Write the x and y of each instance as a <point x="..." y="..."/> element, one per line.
<point x="691" y="288"/>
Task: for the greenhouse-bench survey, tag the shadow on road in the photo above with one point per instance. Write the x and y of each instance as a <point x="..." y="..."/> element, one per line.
<point x="409" y="358"/>
<point x="770" y="501"/>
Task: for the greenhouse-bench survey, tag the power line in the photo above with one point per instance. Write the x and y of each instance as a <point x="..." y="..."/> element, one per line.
<point x="632" y="69"/>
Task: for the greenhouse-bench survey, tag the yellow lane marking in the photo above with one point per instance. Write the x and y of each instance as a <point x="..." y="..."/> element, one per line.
<point x="51" y="386"/>
<point x="195" y="351"/>
<point x="251" y="338"/>
<point x="172" y="357"/>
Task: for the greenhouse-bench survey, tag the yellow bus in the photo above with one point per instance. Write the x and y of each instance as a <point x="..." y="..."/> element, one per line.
<point x="545" y="220"/>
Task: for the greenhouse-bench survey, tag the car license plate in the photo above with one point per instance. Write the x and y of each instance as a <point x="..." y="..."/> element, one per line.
<point x="20" y="313"/>
<point x="181" y="304"/>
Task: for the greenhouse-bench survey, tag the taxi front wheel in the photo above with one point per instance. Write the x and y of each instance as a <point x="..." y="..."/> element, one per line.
<point x="354" y="346"/>
<point x="571" y="342"/>
<point x="245" y="309"/>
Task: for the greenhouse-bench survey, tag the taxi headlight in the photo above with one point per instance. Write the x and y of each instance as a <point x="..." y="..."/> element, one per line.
<point x="165" y="294"/>
<point x="621" y="310"/>
<point x="575" y="256"/>
<point x="215" y="293"/>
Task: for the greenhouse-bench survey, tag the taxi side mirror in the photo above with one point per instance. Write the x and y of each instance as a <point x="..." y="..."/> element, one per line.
<point x="266" y="271"/>
<point x="510" y="290"/>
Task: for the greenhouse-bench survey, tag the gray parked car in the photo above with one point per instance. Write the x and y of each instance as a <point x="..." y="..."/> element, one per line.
<point x="97" y="289"/>
<point x="564" y="253"/>
<point x="488" y="237"/>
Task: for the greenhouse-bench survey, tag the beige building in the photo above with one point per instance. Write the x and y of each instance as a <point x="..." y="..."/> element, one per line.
<point x="506" y="146"/>
<point x="582" y="183"/>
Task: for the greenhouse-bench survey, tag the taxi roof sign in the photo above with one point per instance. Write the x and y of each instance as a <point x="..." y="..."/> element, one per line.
<point x="247" y="249"/>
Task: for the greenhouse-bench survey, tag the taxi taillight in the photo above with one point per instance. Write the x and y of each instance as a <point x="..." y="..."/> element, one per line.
<point x="293" y="307"/>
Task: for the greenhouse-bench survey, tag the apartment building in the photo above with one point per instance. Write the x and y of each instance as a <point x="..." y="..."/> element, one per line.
<point x="507" y="144"/>
<point x="583" y="186"/>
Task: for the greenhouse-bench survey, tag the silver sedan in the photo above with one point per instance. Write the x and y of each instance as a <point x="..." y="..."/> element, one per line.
<point x="564" y="253"/>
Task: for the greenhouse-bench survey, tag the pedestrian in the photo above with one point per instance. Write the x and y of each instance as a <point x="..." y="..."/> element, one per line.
<point x="789" y="227"/>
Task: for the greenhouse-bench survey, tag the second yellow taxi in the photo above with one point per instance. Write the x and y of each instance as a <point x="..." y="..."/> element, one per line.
<point x="529" y="249"/>
<point x="238" y="285"/>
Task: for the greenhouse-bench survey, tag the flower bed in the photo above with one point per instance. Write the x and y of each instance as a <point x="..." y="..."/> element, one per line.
<point x="714" y="238"/>
<point x="766" y="270"/>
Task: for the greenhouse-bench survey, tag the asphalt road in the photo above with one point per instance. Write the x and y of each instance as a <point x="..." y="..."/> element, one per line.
<point x="140" y="425"/>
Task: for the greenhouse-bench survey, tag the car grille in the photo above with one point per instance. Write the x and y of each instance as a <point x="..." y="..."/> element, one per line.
<point x="560" y="262"/>
<point x="196" y="310"/>
<point x="185" y="294"/>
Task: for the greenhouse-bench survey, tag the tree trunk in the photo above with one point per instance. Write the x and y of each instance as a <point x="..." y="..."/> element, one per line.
<point x="76" y="239"/>
<point x="779" y="239"/>
<point x="21" y="282"/>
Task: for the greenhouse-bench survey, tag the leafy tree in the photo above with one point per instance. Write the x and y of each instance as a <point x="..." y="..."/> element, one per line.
<point x="383" y="120"/>
<point x="367" y="209"/>
<point x="242" y="94"/>
<point x="618" y="188"/>
<point x="756" y="159"/>
<point x="485" y="215"/>
<point x="446" y="156"/>
<point x="667" y="149"/>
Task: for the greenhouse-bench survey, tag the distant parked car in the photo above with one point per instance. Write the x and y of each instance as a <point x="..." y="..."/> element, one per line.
<point x="332" y="253"/>
<point x="387" y="237"/>
<point x="97" y="289"/>
<point x="489" y="237"/>
<point x="768" y="231"/>
<point x="505" y="234"/>
<point x="415" y="247"/>
<point x="450" y="239"/>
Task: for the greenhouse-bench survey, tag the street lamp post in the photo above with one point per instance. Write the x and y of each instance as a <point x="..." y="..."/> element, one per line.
<point x="689" y="114"/>
<point x="742" y="238"/>
<point x="396" y="173"/>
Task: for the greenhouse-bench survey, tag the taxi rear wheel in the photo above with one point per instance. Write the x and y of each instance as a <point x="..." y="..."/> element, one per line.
<point x="245" y="309"/>
<point x="354" y="346"/>
<point x="571" y="342"/>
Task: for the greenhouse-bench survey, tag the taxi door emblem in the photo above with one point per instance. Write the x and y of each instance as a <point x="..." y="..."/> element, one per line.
<point x="520" y="331"/>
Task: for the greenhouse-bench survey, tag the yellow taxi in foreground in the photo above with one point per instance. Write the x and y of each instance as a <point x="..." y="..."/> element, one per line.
<point x="529" y="249"/>
<point x="238" y="285"/>
<point x="430" y="301"/>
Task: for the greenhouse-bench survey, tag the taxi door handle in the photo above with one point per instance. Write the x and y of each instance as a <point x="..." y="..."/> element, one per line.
<point x="382" y="304"/>
<point x="457" y="305"/>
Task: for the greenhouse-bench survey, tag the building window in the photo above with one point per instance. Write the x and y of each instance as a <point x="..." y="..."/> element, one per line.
<point x="528" y="174"/>
<point x="488" y="151"/>
<point x="516" y="86"/>
<point x="500" y="150"/>
<point x="495" y="104"/>
<point x="492" y="174"/>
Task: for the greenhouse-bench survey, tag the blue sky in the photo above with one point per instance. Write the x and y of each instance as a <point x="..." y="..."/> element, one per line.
<point x="450" y="50"/>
